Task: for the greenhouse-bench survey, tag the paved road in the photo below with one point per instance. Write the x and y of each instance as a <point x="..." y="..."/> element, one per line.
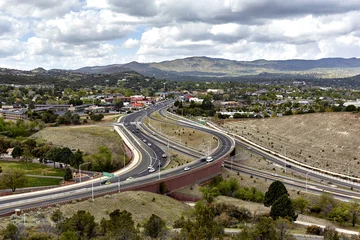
<point x="150" y="156"/>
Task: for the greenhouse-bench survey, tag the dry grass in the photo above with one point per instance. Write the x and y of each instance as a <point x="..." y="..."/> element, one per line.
<point x="195" y="139"/>
<point x="85" y="138"/>
<point x="325" y="140"/>
<point x="177" y="159"/>
<point x="140" y="204"/>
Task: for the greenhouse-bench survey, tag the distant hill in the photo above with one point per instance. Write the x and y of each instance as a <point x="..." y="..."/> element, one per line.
<point x="182" y="69"/>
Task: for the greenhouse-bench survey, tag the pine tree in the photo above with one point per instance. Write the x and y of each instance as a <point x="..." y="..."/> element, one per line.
<point x="275" y="191"/>
<point x="68" y="174"/>
<point x="283" y="208"/>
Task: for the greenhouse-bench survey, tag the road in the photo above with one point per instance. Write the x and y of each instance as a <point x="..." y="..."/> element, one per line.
<point x="150" y="155"/>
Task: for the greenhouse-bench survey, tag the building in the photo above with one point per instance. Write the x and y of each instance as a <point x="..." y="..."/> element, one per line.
<point x="196" y="100"/>
<point x="14" y="114"/>
<point x="216" y="91"/>
<point x="96" y="109"/>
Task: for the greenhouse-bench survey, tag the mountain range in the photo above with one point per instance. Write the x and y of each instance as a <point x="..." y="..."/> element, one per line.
<point x="205" y="67"/>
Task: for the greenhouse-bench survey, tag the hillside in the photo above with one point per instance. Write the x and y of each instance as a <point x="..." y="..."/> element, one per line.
<point x="216" y="67"/>
<point x="326" y="140"/>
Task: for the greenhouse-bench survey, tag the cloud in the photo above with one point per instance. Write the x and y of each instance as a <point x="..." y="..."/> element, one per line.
<point x="82" y="27"/>
<point x="131" y="43"/>
<point x="38" y="8"/>
<point x="71" y="33"/>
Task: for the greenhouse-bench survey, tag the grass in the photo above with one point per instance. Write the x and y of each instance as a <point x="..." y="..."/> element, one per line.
<point x="85" y="138"/>
<point x="140" y="204"/>
<point x="32" y="168"/>
<point x="325" y="140"/>
<point x="38" y="182"/>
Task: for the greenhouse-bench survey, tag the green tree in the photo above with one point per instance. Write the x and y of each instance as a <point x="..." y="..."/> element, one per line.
<point x="69" y="235"/>
<point x="120" y="225"/>
<point x="354" y="208"/>
<point x="340" y="213"/>
<point x="76" y="159"/>
<point x="283" y="207"/>
<point x="300" y="204"/>
<point x="57" y="216"/>
<point x="209" y="193"/>
<point x="326" y="203"/>
<point x="118" y="105"/>
<point x="82" y="222"/>
<point x="203" y="225"/>
<point x="68" y="174"/>
<point x="13" y="178"/>
<point x="350" y="108"/>
<point x="101" y="161"/>
<point x="11" y="232"/>
<point x="275" y="191"/>
<point x="17" y="152"/>
<point x="265" y="229"/>
<point x="155" y="227"/>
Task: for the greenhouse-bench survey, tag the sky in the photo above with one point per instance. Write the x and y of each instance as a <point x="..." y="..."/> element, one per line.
<point x="70" y="34"/>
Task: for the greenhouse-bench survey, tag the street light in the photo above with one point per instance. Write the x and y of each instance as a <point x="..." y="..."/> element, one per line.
<point x="80" y="169"/>
<point x="307" y="181"/>
<point x="92" y="188"/>
<point x="119" y="183"/>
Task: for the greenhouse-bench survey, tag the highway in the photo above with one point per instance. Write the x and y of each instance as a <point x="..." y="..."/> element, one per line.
<point x="149" y="155"/>
<point x="303" y="185"/>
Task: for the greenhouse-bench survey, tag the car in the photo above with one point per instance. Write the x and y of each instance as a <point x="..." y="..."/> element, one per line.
<point x="144" y="140"/>
<point x="275" y="175"/>
<point x="153" y="133"/>
<point x="149" y="144"/>
<point x="133" y="131"/>
<point x="164" y="155"/>
<point x="150" y="166"/>
<point x="203" y="159"/>
<point x="49" y="161"/>
<point x="209" y="159"/>
<point x="248" y="148"/>
<point x="106" y="182"/>
<point x="187" y="168"/>
<point x="288" y="165"/>
<point x="126" y="124"/>
<point x="130" y="178"/>
<point x="151" y="170"/>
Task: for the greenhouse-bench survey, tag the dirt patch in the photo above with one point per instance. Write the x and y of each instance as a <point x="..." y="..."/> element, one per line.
<point x="326" y="140"/>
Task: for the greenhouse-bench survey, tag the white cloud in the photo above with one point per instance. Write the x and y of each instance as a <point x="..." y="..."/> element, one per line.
<point x="74" y="33"/>
<point x="131" y="43"/>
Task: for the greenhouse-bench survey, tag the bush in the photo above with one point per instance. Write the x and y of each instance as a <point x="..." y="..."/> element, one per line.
<point x="313" y="229"/>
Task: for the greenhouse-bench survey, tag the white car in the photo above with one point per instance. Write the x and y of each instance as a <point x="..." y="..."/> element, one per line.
<point x="144" y="140"/>
<point x="187" y="168"/>
<point x="164" y="155"/>
<point x="149" y="144"/>
<point x="209" y="159"/>
<point x="129" y="178"/>
<point x="150" y="166"/>
<point x="151" y="170"/>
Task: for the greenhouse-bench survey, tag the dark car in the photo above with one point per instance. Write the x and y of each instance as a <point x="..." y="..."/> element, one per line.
<point x="203" y="159"/>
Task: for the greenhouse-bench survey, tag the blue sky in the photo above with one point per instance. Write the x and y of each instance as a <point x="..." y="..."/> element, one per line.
<point x="71" y="34"/>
